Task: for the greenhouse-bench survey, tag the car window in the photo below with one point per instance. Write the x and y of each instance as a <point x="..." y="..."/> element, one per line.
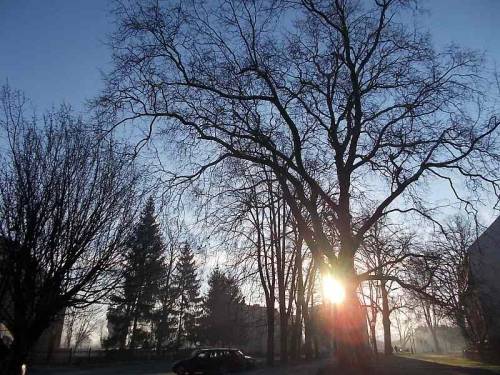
<point x="202" y="355"/>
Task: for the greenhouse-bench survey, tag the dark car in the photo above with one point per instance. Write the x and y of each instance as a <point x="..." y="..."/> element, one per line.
<point x="214" y="361"/>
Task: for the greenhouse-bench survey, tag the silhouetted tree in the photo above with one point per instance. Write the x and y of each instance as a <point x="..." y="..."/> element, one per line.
<point x="118" y="322"/>
<point x="164" y="316"/>
<point x="188" y="296"/>
<point x="348" y="105"/>
<point x="65" y="211"/>
<point x="144" y="270"/>
<point x="142" y="278"/>
<point x="223" y="320"/>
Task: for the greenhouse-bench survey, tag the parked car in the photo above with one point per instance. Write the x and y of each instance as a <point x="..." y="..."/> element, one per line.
<point x="214" y="361"/>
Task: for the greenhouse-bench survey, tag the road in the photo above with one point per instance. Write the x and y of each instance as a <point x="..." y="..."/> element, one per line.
<point x="163" y="368"/>
<point x="393" y="366"/>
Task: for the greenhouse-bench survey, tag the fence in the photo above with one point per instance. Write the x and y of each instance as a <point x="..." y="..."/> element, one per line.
<point x="80" y="356"/>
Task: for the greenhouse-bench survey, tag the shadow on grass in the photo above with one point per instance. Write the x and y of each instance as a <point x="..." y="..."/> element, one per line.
<point x="405" y="366"/>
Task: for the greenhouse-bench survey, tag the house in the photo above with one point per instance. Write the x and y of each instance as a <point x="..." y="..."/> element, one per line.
<point x="484" y="259"/>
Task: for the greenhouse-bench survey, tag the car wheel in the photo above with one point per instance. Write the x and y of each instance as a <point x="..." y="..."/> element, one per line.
<point x="182" y="371"/>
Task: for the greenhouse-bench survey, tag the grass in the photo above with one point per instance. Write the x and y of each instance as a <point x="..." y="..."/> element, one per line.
<point x="453" y="360"/>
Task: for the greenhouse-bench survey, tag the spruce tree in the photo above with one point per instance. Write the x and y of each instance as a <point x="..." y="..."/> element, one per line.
<point x="189" y="300"/>
<point x="143" y="274"/>
<point x="223" y="320"/>
<point x="164" y="316"/>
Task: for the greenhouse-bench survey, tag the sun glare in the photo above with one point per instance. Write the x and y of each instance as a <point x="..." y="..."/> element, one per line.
<point x="333" y="290"/>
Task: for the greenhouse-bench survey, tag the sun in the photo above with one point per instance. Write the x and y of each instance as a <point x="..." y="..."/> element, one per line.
<point x="333" y="290"/>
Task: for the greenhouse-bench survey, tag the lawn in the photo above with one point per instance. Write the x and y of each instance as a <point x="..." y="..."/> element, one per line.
<point x="452" y="360"/>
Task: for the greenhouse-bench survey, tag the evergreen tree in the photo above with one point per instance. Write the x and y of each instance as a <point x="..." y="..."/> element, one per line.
<point x="164" y="317"/>
<point x="118" y="319"/>
<point x="143" y="273"/>
<point x="223" y="320"/>
<point x="189" y="300"/>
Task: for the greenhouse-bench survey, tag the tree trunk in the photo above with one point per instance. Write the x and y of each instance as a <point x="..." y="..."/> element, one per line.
<point x="430" y="319"/>
<point x="270" y="333"/>
<point x="307" y="333"/>
<point x="279" y="244"/>
<point x="134" y="333"/>
<point x="351" y="334"/>
<point x="374" y="339"/>
<point x="296" y="342"/>
<point x="293" y="347"/>
<point x="299" y="302"/>
<point x="435" y="340"/>
<point x="386" y="322"/>
<point x="283" y="337"/>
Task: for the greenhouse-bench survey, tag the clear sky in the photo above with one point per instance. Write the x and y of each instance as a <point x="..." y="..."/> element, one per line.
<point x="54" y="49"/>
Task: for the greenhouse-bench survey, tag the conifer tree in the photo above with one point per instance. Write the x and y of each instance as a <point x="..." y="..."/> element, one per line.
<point x="223" y="320"/>
<point x="189" y="300"/>
<point x="164" y="316"/>
<point x="143" y="274"/>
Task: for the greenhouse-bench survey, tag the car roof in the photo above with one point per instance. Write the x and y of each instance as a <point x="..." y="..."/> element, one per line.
<point x="211" y="349"/>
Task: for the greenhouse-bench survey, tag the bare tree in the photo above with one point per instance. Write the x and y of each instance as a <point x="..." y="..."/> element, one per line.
<point x="265" y="245"/>
<point x="453" y="289"/>
<point x="351" y="109"/>
<point x="65" y="209"/>
<point x="384" y="255"/>
<point x="405" y="323"/>
<point x="370" y="297"/>
<point x="79" y="325"/>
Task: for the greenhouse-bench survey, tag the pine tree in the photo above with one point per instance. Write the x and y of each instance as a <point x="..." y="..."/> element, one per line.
<point x="223" y="320"/>
<point x="143" y="274"/>
<point x="188" y="302"/>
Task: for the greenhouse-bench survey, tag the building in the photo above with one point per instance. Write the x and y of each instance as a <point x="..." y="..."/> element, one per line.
<point x="484" y="259"/>
<point x="255" y="321"/>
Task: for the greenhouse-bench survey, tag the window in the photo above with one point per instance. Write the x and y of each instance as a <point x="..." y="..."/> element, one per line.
<point x="202" y="355"/>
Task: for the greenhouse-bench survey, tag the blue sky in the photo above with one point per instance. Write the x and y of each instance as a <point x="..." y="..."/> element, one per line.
<point x="54" y="49"/>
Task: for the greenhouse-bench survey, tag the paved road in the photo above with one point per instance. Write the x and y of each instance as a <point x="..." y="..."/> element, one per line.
<point x="163" y="368"/>
<point x="394" y="366"/>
